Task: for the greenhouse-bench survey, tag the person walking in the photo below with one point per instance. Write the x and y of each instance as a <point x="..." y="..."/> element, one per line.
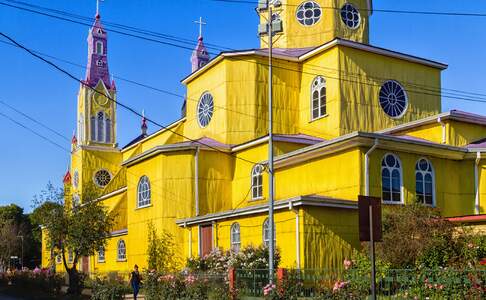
<point x="135" y="280"/>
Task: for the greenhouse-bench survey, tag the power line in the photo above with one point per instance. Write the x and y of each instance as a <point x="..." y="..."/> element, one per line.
<point x="430" y="90"/>
<point x="118" y="25"/>
<point x="395" y="11"/>
<point x="33" y="131"/>
<point x="130" y="109"/>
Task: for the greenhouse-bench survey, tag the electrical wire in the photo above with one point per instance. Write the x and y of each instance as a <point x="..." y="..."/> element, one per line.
<point x="395" y="11"/>
<point x="130" y="109"/>
<point x="434" y="90"/>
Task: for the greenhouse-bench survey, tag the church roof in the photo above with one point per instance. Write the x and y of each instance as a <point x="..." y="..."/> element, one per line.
<point x="456" y="115"/>
<point x="303" y="54"/>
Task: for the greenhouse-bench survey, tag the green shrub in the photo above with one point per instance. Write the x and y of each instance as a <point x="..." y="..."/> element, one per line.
<point x="108" y="289"/>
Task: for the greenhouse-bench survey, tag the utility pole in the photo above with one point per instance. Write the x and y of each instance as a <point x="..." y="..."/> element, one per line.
<point x="271" y="224"/>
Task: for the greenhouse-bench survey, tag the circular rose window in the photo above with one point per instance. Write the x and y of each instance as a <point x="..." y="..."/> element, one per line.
<point x="102" y="178"/>
<point x="393" y="99"/>
<point x="308" y="13"/>
<point x="205" y="109"/>
<point x="350" y="16"/>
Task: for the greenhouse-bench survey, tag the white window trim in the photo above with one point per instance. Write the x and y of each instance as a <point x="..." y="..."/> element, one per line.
<point x="118" y="251"/>
<point x="434" y="203"/>
<point x="94" y="178"/>
<point x="104" y="256"/>
<point x="359" y="14"/>
<point x="312" y="119"/>
<point x="102" y="48"/>
<point x="149" y="190"/>
<point x="405" y="110"/>
<point x="265" y="242"/>
<point x="253" y="175"/>
<point x="232" y="241"/>
<point x="314" y="24"/>
<point x="402" y="190"/>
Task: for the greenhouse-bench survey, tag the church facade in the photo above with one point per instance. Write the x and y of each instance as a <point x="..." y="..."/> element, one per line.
<point x="350" y="119"/>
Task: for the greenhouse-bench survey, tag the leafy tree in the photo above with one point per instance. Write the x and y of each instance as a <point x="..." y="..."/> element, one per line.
<point x="82" y="230"/>
<point x="17" y="225"/>
<point x="162" y="254"/>
<point x="408" y="231"/>
<point x="9" y="242"/>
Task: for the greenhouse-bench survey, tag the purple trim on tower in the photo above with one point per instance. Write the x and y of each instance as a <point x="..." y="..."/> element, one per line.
<point x="97" y="68"/>
<point x="200" y="56"/>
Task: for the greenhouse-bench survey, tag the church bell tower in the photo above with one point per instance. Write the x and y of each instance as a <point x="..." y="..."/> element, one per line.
<point x="97" y="94"/>
<point x="312" y="23"/>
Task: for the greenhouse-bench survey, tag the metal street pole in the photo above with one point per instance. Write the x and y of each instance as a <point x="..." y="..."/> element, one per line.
<point x="271" y="237"/>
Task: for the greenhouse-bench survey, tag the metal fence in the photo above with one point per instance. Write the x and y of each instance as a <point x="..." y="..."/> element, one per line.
<point x="394" y="284"/>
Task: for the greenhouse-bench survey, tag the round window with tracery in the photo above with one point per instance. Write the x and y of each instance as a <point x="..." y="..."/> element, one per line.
<point x="205" y="109"/>
<point x="309" y="13"/>
<point x="102" y="178"/>
<point x="393" y="99"/>
<point x="350" y="16"/>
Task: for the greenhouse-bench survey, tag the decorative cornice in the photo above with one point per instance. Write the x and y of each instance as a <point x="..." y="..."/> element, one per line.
<point x="312" y="200"/>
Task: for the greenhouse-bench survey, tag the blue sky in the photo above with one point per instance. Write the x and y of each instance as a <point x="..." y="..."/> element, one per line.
<point x="27" y="162"/>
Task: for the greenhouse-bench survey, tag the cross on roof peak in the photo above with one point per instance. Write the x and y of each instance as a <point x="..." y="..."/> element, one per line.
<point x="201" y="24"/>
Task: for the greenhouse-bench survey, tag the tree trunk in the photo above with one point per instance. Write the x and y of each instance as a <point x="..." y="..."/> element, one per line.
<point x="74" y="282"/>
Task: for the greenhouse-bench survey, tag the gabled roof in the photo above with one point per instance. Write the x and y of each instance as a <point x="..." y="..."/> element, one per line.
<point x="455" y="115"/>
<point x="302" y="54"/>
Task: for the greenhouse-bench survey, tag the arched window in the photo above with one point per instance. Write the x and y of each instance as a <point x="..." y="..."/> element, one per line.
<point x="318" y="100"/>
<point x="99" y="47"/>
<point x="424" y="182"/>
<point x="93" y="128"/>
<point x="121" y="251"/>
<point x="266" y="232"/>
<point x="101" y="255"/>
<point x="391" y="179"/>
<point x="143" y="192"/>
<point x="81" y="128"/>
<point x="108" y="131"/>
<point x="100" y="118"/>
<point x="257" y="182"/>
<point x="235" y="237"/>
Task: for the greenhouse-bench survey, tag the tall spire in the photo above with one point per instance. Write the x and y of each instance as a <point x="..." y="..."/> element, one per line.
<point x="144" y="124"/>
<point x="200" y="56"/>
<point x="97" y="68"/>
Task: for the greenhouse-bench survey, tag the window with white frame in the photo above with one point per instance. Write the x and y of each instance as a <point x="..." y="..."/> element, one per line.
<point x="107" y="131"/>
<point x="266" y="232"/>
<point x="143" y="192"/>
<point x="100" y="124"/>
<point x="424" y="182"/>
<point x="121" y="251"/>
<point x="235" y="237"/>
<point x="318" y="99"/>
<point x="101" y="254"/>
<point x="99" y="47"/>
<point x="391" y="179"/>
<point x="257" y="182"/>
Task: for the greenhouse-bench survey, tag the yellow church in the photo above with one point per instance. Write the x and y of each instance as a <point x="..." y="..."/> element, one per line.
<point x="350" y="119"/>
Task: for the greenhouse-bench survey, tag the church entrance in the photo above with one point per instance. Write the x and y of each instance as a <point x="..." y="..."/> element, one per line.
<point x="206" y="239"/>
<point x="85" y="264"/>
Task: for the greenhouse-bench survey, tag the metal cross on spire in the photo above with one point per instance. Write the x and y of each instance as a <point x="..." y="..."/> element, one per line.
<point x="98" y="7"/>
<point x="201" y="24"/>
